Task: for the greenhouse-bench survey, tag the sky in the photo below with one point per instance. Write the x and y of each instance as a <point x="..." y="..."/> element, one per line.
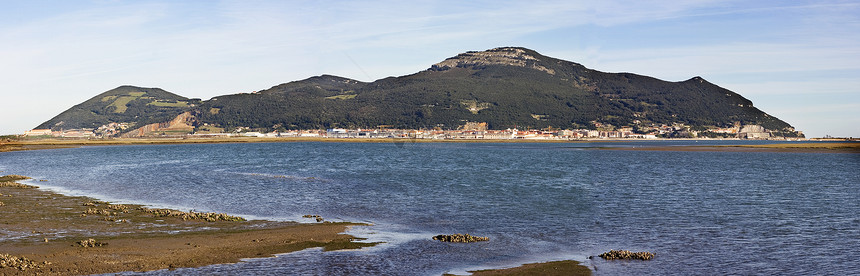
<point x="796" y="60"/>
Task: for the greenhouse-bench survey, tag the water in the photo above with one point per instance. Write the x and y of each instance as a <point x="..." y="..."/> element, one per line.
<point x="700" y="212"/>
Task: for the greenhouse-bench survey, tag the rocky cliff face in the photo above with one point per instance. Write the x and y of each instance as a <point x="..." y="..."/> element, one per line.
<point x="180" y="125"/>
<point x="508" y="56"/>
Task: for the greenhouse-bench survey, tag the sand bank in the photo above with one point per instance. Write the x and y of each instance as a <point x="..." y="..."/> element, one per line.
<point x="847" y="147"/>
<point x="568" y="268"/>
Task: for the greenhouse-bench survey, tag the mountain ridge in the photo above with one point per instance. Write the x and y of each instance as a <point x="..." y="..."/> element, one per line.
<point x="505" y="87"/>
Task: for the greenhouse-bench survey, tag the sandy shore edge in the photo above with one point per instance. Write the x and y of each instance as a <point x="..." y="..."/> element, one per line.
<point x="567" y="267"/>
<point x="845" y="147"/>
<point x="39" y="144"/>
<point x="47" y="228"/>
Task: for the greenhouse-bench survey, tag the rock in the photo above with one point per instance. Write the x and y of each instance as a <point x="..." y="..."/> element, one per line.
<point x="461" y="238"/>
<point x="626" y="255"/>
<point x="90" y="243"/>
<point x="16" y="185"/>
<point x="317" y="217"/>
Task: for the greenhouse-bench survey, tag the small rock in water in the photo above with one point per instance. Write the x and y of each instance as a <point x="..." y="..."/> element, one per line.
<point x="626" y="255"/>
<point x="317" y="217"/>
<point x="463" y="238"/>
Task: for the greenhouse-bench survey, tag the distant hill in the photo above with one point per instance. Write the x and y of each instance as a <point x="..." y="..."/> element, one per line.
<point x="122" y="104"/>
<point x="505" y="87"/>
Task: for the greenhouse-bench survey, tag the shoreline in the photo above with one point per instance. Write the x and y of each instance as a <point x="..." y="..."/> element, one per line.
<point x="799" y="146"/>
<point x="48" y="230"/>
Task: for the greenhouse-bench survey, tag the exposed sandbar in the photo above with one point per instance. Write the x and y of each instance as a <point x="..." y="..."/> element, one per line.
<point x="569" y="268"/>
<point x="847" y="147"/>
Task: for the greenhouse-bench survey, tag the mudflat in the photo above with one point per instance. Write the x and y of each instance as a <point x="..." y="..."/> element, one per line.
<point x="46" y="233"/>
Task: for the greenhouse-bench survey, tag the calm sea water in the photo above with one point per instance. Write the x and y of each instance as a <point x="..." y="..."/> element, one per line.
<point x="700" y="212"/>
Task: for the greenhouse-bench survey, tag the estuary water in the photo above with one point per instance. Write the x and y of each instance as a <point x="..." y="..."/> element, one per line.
<point x="702" y="213"/>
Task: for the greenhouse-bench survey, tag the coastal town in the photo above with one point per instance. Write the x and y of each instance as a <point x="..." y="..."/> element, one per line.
<point x="468" y="131"/>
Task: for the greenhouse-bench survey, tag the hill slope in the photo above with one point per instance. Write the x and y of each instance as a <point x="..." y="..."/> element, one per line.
<point x="505" y="87"/>
<point x="125" y="104"/>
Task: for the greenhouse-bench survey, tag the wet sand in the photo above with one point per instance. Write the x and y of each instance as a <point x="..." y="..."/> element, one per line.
<point x="569" y="268"/>
<point x="46" y="228"/>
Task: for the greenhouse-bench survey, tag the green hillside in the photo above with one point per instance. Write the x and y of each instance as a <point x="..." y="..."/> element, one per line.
<point x="124" y="104"/>
<point x="505" y="87"/>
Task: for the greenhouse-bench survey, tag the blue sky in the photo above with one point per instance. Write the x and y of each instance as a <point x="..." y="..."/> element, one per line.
<point x="796" y="60"/>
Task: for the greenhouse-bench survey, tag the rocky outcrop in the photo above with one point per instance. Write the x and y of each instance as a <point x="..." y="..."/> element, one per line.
<point x="9" y="181"/>
<point x="317" y="217"/>
<point x="626" y="255"/>
<point x="509" y="56"/>
<point x="462" y="238"/>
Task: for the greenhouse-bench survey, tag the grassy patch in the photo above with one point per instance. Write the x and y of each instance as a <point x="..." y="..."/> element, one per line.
<point x="137" y="94"/>
<point x="342" y="97"/>
<point x="209" y="129"/>
<point x="169" y="104"/>
<point x="109" y="98"/>
<point x="214" y="110"/>
<point x="121" y="102"/>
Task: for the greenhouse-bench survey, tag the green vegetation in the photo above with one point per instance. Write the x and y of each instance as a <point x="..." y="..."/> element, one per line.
<point x="209" y="129"/>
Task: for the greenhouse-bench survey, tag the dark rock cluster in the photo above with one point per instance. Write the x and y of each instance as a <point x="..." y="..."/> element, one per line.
<point x="460" y="238"/>
<point x="210" y="217"/>
<point x="626" y="255"/>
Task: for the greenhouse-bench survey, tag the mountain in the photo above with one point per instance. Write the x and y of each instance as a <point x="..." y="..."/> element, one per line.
<point x="506" y="87"/>
<point x="124" y="104"/>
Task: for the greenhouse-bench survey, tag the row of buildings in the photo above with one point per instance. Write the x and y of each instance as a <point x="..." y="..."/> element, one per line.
<point x="473" y="131"/>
